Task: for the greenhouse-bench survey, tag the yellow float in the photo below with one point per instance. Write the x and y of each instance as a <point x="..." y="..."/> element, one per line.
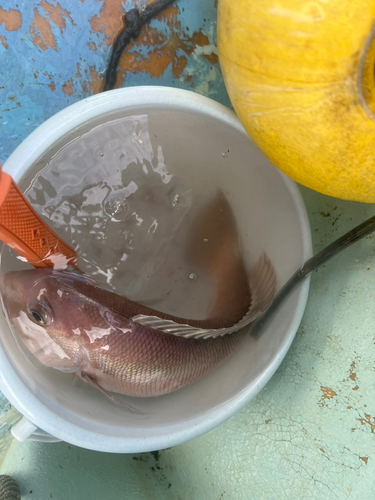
<point x="300" y="75"/>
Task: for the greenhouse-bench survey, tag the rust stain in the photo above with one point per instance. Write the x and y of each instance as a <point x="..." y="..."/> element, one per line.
<point x="52" y="85"/>
<point x="353" y="375"/>
<point x="57" y="14"/>
<point x="328" y="393"/>
<point x="4" y="41"/>
<point x="109" y="21"/>
<point x="12" y="19"/>
<point x="68" y="88"/>
<point x="367" y="421"/>
<point x="92" y="46"/>
<point x="355" y="388"/>
<point x="364" y="459"/>
<point x="41" y="32"/>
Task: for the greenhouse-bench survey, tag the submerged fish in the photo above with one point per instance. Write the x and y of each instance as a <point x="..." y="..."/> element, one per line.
<point x="72" y="325"/>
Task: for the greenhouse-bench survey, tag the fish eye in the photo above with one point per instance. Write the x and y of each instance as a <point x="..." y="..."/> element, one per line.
<point x="38" y="315"/>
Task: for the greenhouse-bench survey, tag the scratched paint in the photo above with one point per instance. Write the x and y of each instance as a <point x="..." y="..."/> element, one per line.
<point x="55" y="53"/>
<point x="310" y="433"/>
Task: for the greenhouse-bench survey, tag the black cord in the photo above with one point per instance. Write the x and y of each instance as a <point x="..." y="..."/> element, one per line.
<point x="134" y="20"/>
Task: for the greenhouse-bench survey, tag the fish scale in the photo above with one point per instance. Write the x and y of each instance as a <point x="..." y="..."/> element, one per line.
<point x="145" y="362"/>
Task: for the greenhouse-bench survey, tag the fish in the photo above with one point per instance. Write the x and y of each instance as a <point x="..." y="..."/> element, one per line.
<point x="71" y="324"/>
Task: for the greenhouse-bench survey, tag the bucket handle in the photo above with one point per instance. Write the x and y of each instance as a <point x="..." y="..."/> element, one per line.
<point x="24" y="430"/>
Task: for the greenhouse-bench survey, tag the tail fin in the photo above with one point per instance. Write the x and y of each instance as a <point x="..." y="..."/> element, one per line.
<point x="214" y="247"/>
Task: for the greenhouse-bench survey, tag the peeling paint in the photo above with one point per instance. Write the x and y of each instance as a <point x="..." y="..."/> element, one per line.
<point x="109" y="20"/>
<point x="172" y="51"/>
<point x="92" y="46"/>
<point x="4" y="41"/>
<point x="352" y="375"/>
<point x="57" y="14"/>
<point x="328" y="393"/>
<point x="67" y="88"/>
<point x="367" y="421"/>
<point x="169" y="15"/>
<point x="212" y="57"/>
<point x="78" y="73"/>
<point x="12" y="19"/>
<point x="41" y="33"/>
<point x="163" y="50"/>
<point x="96" y="84"/>
<point x="183" y="38"/>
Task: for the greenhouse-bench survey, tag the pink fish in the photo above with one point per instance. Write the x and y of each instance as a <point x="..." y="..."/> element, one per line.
<point x="72" y="325"/>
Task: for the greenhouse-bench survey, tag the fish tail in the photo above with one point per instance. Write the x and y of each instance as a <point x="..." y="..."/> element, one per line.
<point x="263" y="282"/>
<point x="214" y="248"/>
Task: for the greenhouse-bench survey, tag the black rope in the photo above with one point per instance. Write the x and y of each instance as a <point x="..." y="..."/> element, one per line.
<point x="134" y="20"/>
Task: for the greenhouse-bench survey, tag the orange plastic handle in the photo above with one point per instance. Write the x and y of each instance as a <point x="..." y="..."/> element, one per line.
<point x="22" y="229"/>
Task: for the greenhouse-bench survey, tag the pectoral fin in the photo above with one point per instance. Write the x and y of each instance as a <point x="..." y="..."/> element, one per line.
<point x="115" y="400"/>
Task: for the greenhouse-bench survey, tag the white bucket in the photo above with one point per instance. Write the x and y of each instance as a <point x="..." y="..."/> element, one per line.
<point x="278" y="224"/>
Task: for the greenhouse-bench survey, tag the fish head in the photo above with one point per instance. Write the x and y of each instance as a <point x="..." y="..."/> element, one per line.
<point x="40" y="306"/>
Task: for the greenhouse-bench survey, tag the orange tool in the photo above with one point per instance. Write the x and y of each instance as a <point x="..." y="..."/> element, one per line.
<point x="22" y="229"/>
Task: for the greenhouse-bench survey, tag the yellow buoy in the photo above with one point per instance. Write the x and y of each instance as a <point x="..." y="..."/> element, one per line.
<point x="300" y="75"/>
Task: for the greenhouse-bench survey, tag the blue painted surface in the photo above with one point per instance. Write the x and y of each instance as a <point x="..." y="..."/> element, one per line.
<point x="28" y="71"/>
